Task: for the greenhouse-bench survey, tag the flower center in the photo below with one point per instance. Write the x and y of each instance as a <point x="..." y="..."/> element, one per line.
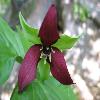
<point x="46" y="50"/>
<point x="46" y="53"/>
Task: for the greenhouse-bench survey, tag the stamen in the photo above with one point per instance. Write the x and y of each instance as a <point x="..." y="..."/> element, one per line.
<point x="52" y="50"/>
<point x="41" y="48"/>
<point x="50" y="57"/>
<point x="46" y="53"/>
<point x="47" y="48"/>
<point x="41" y="55"/>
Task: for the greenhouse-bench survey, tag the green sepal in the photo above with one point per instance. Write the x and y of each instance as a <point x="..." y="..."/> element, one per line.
<point x="66" y="42"/>
<point x="43" y="70"/>
<point x="30" y="33"/>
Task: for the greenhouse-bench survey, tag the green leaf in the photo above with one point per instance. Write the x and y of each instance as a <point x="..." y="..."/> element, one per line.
<point x="45" y="90"/>
<point x="43" y="69"/>
<point x="66" y="42"/>
<point x="30" y="33"/>
<point x="6" y="65"/>
<point x="11" y="38"/>
<point x="10" y="47"/>
<point x="7" y="58"/>
<point x="24" y="39"/>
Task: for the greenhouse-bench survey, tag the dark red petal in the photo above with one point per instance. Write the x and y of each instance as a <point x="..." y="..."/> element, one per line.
<point x="48" y="31"/>
<point x="59" y="69"/>
<point x="27" y="71"/>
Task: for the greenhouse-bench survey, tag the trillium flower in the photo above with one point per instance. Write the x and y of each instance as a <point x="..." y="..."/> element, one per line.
<point x="48" y="34"/>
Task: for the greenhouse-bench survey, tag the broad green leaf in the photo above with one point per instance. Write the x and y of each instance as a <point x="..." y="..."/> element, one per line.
<point x="45" y="90"/>
<point x="11" y="38"/>
<point x="6" y="65"/>
<point x="62" y="91"/>
<point x="7" y="58"/>
<point x="24" y="39"/>
<point x="6" y="51"/>
<point x="10" y="47"/>
<point x="30" y="33"/>
<point x="66" y="42"/>
<point x="43" y="69"/>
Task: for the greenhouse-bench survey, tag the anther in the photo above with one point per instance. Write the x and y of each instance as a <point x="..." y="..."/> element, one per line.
<point x="41" y="55"/>
<point x="47" y="48"/>
<point x="41" y="48"/>
<point x="50" y="57"/>
<point x="52" y="50"/>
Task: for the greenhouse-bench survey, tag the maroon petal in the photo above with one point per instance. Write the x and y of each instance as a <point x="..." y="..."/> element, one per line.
<point x="59" y="69"/>
<point x="48" y="31"/>
<point x="27" y="71"/>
